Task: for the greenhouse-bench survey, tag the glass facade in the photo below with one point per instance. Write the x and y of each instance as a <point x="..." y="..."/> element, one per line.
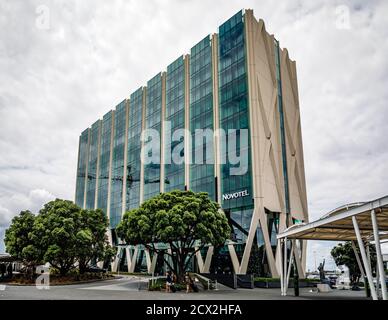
<point x="104" y="164"/>
<point x="234" y="115"/>
<point x="81" y="168"/>
<point x="134" y="147"/>
<point x="201" y="118"/>
<point x="175" y="114"/>
<point x="116" y="194"/>
<point x="199" y="92"/>
<point x="153" y="120"/>
<point x="91" y="183"/>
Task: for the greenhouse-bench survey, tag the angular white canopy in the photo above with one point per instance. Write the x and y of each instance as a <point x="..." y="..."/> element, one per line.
<point x="362" y="223"/>
<point x="338" y="225"/>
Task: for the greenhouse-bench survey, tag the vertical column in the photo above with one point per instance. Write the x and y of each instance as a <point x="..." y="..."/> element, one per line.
<point x="81" y="168"/>
<point x="217" y="156"/>
<point x="187" y="121"/>
<point x="98" y="164"/>
<point x="162" y="145"/>
<point x="280" y="253"/>
<point x="364" y="259"/>
<point x="285" y="286"/>
<point x="143" y="115"/>
<point x="110" y="169"/>
<point x="125" y="172"/>
<point x="78" y="173"/>
<point x="380" y="263"/>
<point x="86" y="169"/>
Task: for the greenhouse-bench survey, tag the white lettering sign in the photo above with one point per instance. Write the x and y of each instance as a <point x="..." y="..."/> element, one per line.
<point x="236" y="195"/>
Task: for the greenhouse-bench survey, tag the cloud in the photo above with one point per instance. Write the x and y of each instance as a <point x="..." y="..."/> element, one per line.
<point x="56" y="82"/>
<point x="12" y="205"/>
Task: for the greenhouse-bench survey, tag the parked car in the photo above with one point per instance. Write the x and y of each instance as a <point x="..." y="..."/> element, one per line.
<point x="95" y="269"/>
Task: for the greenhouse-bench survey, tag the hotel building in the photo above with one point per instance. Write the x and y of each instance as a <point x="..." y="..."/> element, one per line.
<point x="239" y="78"/>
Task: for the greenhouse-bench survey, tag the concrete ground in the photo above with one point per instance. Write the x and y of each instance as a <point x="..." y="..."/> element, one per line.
<point x="127" y="288"/>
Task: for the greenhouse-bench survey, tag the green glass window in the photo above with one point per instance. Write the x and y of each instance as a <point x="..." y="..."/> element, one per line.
<point x="153" y="120"/>
<point x="134" y="147"/>
<point x="105" y="146"/>
<point x="201" y="117"/>
<point x="81" y="168"/>
<point x="234" y="110"/>
<point x="118" y="164"/>
<point x="91" y="183"/>
<point x="175" y="113"/>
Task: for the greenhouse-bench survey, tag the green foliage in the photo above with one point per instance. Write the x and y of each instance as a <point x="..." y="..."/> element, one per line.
<point x="160" y="285"/>
<point x="61" y="234"/>
<point x="343" y="254"/>
<point x="56" y="228"/>
<point x="19" y="240"/>
<point x="91" y="238"/>
<point x="180" y="219"/>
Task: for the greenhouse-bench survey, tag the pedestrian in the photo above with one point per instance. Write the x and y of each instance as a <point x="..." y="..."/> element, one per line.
<point x="3" y="269"/>
<point x="9" y="270"/>
<point x="174" y="280"/>
<point x="168" y="282"/>
<point x="188" y="282"/>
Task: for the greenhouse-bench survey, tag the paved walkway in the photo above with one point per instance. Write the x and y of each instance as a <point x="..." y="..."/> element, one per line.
<point x="127" y="288"/>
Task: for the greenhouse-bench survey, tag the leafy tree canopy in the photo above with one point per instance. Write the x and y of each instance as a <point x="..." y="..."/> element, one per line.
<point x="343" y="254"/>
<point x="181" y="219"/>
<point x="19" y="239"/>
<point x="61" y="234"/>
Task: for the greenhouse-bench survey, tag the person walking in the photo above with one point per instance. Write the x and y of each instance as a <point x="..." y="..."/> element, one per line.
<point x="3" y="269"/>
<point x="10" y="270"/>
<point x="174" y="281"/>
<point x="188" y="282"/>
<point x="168" y="282"/>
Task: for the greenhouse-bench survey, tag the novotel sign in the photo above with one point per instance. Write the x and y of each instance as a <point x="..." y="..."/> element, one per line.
<point x="236" y="195"/>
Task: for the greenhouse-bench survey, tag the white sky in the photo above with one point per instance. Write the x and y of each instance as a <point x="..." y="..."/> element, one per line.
<point x="61" y="72"/>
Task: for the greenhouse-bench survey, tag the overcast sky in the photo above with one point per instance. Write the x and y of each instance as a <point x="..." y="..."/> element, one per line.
<point x="64" y="64"/>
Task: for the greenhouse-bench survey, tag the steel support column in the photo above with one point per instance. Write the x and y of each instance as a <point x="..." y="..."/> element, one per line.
<point x="380" y="263"/>
<point x="290" y="264"/>
<point x="285" y="267"/>
<point x="281" y="266"/>
<point x="364" y="258"/>
<point x="358" y="259"/>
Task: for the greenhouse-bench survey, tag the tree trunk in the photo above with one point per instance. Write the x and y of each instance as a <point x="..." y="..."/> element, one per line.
<point x="82" y="267"/>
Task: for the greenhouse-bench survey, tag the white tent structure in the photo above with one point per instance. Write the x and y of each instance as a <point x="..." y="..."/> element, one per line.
<point x="362" y="222"/>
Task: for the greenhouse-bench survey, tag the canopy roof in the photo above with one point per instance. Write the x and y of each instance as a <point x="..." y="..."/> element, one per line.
<point x="338" y="225"/>
<point x="4" y="257"/>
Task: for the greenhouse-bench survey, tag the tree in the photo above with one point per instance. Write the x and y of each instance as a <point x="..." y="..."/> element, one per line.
<point x="61" y="234"/>
<point x="92" y="243"/>
<point x="19" y="241"/>
<point x="343" y="254"/>
<point x="56" y="229"/>
<point x="184" y="220"/>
